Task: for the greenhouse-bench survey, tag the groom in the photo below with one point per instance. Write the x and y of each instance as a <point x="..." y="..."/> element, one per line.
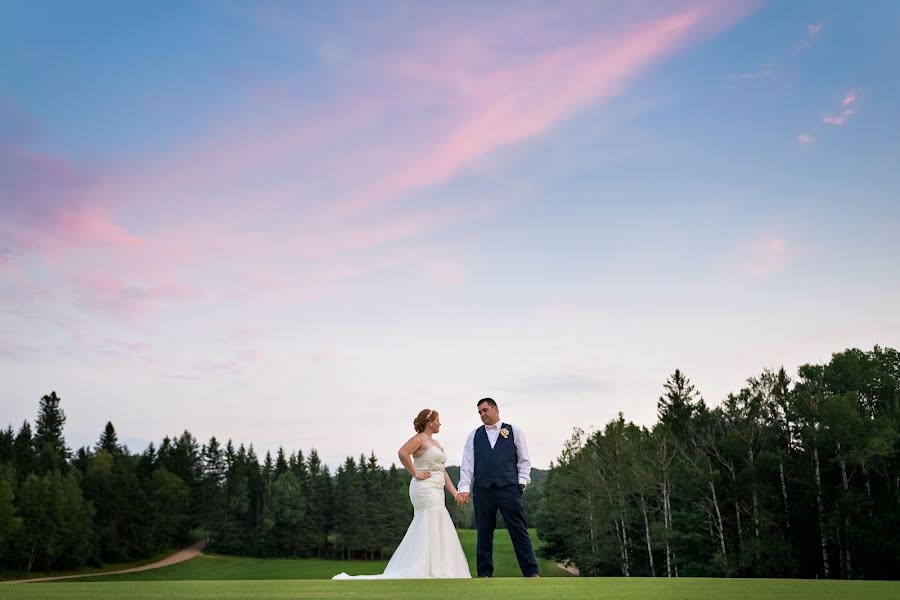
<point x="495" y="463"/>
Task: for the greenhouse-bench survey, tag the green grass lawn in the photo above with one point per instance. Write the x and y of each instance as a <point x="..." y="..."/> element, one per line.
<point x="571" y="588"/>
<point x="104" y="569"/>
<point x="218" y="567"/>
<point x="226" y="577"/>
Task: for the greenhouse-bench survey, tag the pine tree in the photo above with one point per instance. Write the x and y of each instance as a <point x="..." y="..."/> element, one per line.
<point x="281" y="465"/>
<point x="213" y="486"/>
<point x="319" y="500"/>
<point x="23" y="447"/>
<point x="10" y="524"/>
<point x="49" y="442"/>
<point x="7" y="446"/>
<point x="109" y="441"/>
<point x="288" y="511"/>
<point x="677" y="406"/>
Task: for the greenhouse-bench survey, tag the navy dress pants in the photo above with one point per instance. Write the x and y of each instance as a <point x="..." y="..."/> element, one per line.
<point x="508" y="500"/>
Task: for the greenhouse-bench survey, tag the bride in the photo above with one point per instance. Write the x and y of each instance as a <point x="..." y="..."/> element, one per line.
<point x="431" y="546"/>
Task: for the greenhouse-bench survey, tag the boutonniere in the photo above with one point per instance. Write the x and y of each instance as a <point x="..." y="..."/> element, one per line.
<point x="504" y="432"/>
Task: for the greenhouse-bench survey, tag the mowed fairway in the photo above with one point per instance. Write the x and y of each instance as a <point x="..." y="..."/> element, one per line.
<point x="214" y="577"/>
<point x="572" y="588"/>
<point x="217" y="567"/>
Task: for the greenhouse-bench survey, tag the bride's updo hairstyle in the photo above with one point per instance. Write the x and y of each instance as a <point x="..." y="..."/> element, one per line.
<point x="425" y="417"/>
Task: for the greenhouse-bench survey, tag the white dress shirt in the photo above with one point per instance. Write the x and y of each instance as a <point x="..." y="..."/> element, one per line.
<point x="467" y="468"/>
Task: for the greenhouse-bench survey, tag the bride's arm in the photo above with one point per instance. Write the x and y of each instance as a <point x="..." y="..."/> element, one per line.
<point x="405" y="453"/>
<point x="448" y="483"/>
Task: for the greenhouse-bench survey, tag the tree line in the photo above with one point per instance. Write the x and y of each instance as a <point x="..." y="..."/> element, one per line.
<point x="61" y="509"/>
<point x="785" y="478"/>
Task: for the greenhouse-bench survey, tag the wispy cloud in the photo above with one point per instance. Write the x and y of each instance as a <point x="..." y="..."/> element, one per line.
<point x="848" y="109"/>
<point x="768" y="256"/>
<point x="285" y="205"/>
<point x="517" y="98"/>
<point x="775" y="67"/>
<point x="813" y="31"/>
<point x="804" y="139"/>
<point x="764" y="72"/>
<point x="46" y="202"/>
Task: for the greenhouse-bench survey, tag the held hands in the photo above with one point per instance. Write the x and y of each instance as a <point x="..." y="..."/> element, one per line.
<point x="462" y="498"/>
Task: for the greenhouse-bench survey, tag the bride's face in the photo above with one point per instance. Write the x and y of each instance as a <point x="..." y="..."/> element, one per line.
<point x="435" y="426"/>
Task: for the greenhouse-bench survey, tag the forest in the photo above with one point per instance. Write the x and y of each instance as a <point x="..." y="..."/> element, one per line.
<point x="791" y="476"/>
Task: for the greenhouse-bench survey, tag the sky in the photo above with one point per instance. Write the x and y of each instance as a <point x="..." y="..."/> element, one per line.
<point x="298" y="224"/>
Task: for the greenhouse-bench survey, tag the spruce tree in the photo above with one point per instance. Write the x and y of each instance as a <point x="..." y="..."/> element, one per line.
<point x="7" y="446"/>
<point x="109" y="441"/>
<point x="281" y="465"/>
<point x="677" y="406"/>
<point x="50" y="422"/>
<point x="23" y="447"/>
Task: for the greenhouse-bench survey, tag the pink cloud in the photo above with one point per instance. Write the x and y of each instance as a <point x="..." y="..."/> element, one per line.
<point x="849" y="104"/>
<point x="812" y="33"/>
<point x="127" y="349"/>
<point x="444" y="273"/>
<point x="769" y="256"/>
<point x="511" y="100"/>
<point x="286" y="205"/>
<point x="356" y="236"/>
<point x="18" y="286"/>
<point x="805" y="139"/>
<point x="92" y="226"/>
<point x="47" y="201"/>
<point x="126" y="296"/>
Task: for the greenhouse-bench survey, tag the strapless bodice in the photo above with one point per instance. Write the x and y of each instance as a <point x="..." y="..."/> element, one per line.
<point x="432" y="459"/>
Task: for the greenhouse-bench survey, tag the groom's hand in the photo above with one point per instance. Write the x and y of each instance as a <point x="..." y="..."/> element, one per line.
<point x="462" y="498"/>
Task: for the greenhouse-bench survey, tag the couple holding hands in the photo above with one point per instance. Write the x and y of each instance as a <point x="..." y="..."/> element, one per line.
<point x="494" y="472"/>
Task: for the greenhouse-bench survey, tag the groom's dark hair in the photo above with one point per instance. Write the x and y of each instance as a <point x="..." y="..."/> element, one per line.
<point x="490" y="402"/>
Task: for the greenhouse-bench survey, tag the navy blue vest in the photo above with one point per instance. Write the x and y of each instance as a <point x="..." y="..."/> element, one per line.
<point x="495" y="466"/>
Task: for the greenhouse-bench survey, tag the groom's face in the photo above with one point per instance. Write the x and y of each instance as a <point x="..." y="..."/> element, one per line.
<point x="489" y="414"/>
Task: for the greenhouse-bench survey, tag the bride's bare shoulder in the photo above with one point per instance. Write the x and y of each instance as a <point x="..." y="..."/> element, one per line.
<point x="421" y="442"/>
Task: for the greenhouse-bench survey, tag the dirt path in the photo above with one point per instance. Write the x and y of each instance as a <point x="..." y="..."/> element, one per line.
<point x="567" y="566"/>
<point x="180" y="556"/>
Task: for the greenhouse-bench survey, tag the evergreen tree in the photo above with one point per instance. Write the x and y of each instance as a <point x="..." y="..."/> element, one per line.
<point x="169" y="506"/>
<point x="56" y="522"/>
<point x="109" y="441"/>
<point x="288" y="514"/>
<point x="23" y="447"/>
<point x="49" y="442"/>
<point x="348" y="500"/>
<point x="397" y="497"/>
<point x="10" y="524"/>
<point x="319" y="501"/>
<point x="281" y="464"/>
<point x="7" y="446"/>
<point x="780" y="479"/>
<point x="676" y="407"/>
<point x="213" y="488"/>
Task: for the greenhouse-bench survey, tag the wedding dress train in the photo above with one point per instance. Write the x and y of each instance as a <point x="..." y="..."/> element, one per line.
<point x="431" y="545"/>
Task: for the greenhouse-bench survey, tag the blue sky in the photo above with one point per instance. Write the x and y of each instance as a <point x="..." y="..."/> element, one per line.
<point x="298" y="224"/>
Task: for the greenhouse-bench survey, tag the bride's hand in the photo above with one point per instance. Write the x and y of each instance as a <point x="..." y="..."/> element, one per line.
<point x="420" y="475"/>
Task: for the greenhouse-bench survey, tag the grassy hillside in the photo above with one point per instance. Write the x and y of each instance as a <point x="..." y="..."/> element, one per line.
<point x="234" y="568"/>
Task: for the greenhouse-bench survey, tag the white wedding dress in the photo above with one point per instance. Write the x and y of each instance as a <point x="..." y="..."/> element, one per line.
<point x="431" y="545"/>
